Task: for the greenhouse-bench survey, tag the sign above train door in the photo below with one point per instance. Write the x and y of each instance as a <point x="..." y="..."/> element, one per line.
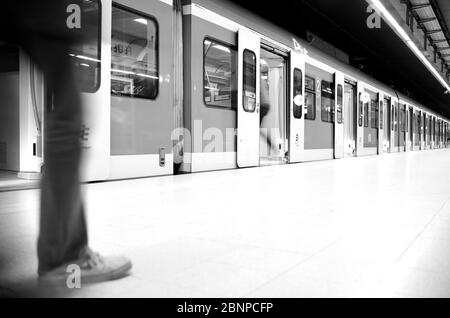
<point x="296" y="113"/>
<point x="248" y="98"/>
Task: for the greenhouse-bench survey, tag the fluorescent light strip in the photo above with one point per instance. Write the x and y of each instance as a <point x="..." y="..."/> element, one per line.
<point x="141" y="20"/>
<point x="87" y="58"/>
<point x="123" y="72"/>
<point x="146" y="75"/>
<point x="405" y="37"/>
<point x="133" y="73"/>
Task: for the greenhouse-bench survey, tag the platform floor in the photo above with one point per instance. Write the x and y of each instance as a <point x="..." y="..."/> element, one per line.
<point x="9" y="181"/>
<point x="358" y="227"/>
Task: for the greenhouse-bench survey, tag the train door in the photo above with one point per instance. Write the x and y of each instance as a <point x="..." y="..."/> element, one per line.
<point x="272" y="116"/>
<point x="431" y="132"/>
<point x="411" y="128"/>
<point x="338" y="120"/>
<point x="380" y="124"/>
<point x="387" y="121"/>
<point x="402" y="127"/>
<point x="438" y="133"/>
<point x="446" y="135"/>
<point x="363" y="101"/>
<point x="419" y="130"/>
<point x="296" y="113"/>
<point x="248" y="98"/>
<point x="350" y="118"/>
<point x="425" y="131"/>
<point x="141" y="59"/>
<point x="395" y="127"/>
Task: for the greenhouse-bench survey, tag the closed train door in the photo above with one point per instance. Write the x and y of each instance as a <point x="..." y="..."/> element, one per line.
<point x="296" y="113"/>
<point x="392" y="124"/>
<point x="248" y="98"/>
<point x="363" y="98"/>
<point x="338" y="118"/>
<point x="387" y="124"/>
<point x="380" y="123"/>
<point x="141" y="89"/>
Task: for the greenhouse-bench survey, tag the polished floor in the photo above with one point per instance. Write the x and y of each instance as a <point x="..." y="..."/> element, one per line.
<point x="357" y="227"/>
<point x="9" y="181"/>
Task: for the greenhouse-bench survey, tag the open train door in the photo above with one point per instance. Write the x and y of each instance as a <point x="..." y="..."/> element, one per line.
<point x="296" y="113"/>
<point x="381" y="123"/>
<point x="338" y="118"/>
<point x="362" y="99"/>
<point x="248" y="98"/>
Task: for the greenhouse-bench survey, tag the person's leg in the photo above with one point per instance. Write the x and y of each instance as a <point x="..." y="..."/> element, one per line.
<point x="42" y="33"/>
<point x="63" y="234"/>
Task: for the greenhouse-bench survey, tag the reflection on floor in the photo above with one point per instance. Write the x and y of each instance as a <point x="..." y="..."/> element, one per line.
<point x="9" y="181"/>
<point x="356" y="227"/>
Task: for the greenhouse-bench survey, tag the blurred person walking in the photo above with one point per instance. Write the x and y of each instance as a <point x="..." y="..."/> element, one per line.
<point x="47" y="31"/>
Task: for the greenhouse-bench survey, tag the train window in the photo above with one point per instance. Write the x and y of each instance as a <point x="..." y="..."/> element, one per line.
<point x="298" y="90"/>
<point x="249" y="81"/>
<point x="396" y="118"/>
<point x="134" y="54"/>
<point x="310" y="98"/>
<point x="381" y="114"/>
<point x="86" y="55"/>
<point x="361" y="114"/>
<point x="339" y="104"/>
<point x="374" y="114"/>
<point x="219" y="66"/>
<point x="419" y="123"/>
<point x="366" y="114"/>
<point x="327" y="101"/>
<point x="405" y="120"/>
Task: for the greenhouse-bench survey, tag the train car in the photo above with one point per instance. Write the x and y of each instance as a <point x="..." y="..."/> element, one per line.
<point x="197" y="85"/>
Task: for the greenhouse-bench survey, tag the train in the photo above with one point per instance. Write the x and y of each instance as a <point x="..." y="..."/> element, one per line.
<point x="183" y="86"/>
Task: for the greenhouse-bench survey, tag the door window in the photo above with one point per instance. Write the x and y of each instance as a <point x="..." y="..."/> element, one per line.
<point x="249" y="81"/>
<point x="134" y="54"/>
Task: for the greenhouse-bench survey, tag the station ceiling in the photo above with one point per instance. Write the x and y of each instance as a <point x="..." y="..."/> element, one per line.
<point x="378" y="52"/>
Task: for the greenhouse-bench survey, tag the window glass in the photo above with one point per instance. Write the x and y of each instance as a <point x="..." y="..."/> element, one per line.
<point x="374" y="114"/>
<point x="86" y="55"/>
<point x="381" y="114"/>
<point x="403" y="119"/>
<point x="392" y="118"/>
<point x="429" y="127"/>
<point x="339" y="104"/>
<point x="327" y="101"/>
<point x="366" y="114"/>
<point x="134" y="55"/>
<point x="396" y="118"/>
<point x="298" y="83"/>
<point x="249" y="81"/>
<point x="219" y="66"/>
<point x="361" y="112"/>
<point x="310" y="98"/>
